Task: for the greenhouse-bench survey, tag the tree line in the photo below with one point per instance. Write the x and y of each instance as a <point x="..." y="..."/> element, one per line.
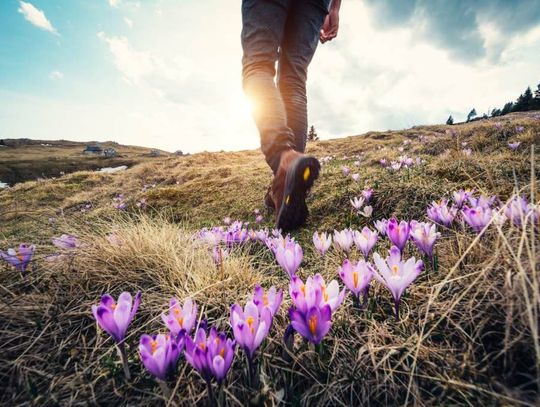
<point x="525" y="102"/>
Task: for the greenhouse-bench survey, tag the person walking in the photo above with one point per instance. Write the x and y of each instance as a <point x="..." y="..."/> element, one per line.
<point x="284" y="33"/>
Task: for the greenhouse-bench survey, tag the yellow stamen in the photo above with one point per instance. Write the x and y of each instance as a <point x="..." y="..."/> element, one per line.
<point x="180" y="320"/>
<point x="312" y="324"/>
<point x="395" y="269"/>
<point x="153" y="345"/>
<point x="287" y="200"/>
<point x="265" y="299"/>
<point x="176" y="311"/>
<point x="250" y="321"/>
<point x="355" y="278"/>
<point x="222" y="352"/>
<point x="303" y="289"/>
<point x="307" y="173"/>
<point x="324" y="293"/>
<point x="113" y="306"/>
<point x="202" y="345"/>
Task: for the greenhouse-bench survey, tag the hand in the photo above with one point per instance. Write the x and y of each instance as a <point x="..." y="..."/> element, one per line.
<point x="330" y="27"/>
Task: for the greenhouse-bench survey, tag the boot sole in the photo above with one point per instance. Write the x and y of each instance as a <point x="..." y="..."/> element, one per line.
<point x="300" y="178"/>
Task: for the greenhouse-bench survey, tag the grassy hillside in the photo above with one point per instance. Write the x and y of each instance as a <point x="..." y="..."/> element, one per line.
<point x="25" y="159"/>
<point x="468" y="331"/>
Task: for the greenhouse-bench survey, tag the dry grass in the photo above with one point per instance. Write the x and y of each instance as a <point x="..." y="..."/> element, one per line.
<point x="469" y="329"/>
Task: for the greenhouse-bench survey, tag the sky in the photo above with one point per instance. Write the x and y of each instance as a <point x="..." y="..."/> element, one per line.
<point x="167" y="73"/>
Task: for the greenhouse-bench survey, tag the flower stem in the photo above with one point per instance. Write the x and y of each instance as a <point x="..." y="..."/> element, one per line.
<point x="121" y="347"/>
<point x="397" y="309"/>
<point x="210" y="393"/>
<point x="165" y="389"/>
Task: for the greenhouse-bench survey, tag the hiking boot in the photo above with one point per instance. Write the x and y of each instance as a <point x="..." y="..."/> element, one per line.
<point x="295" y="176"/>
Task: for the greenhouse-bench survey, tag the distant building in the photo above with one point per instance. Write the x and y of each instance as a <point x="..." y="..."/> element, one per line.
<point x="110" y="152"/>
<point x="155" y="153"/>
<point x="92" y="150"/>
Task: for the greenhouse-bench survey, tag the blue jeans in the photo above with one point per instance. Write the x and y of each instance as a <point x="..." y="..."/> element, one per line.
<point x="286" y="32"/>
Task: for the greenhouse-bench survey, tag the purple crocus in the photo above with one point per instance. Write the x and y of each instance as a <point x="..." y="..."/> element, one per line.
<point x="461" y="196"/>
<point x="517" y="210"/>
<point x="381" y="226"/>
<point x="160" y="353"/>
<point x="289" y="256"/>
<point x="365" y="240"/>
<point x="250" y="326"/>
<point x="357" y="203"/>
<point x="396" y="274"/>
<point x="66" y="242"/>
<point x="514" y="146"/>
<point x="322" y="242"/>
<point x="440" y="212"/>
<point x="477" y="217"/>
<point x="346" y="170"/>
<point x="270" y="299"/>
<point x="483" y="201"/>
<point x="398" y="233"/>
<point x="259" y="218"/>
<point x="313" y="324"/>
<point x="356" y="277"/>
<point x="424" y="235"/>
<point x="367" y="194"/>
<point x="21" y="258"/>
<point x="355" y="177"/>
<point x="180" y="318"/>
<point x="315" y="292"/>
<point x="211" y="355"/>
<point x="114" y="317"/>
<point x="520" y="129"/>
<point x="343" y="239"/>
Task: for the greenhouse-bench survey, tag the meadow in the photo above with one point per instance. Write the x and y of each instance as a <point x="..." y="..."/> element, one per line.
<point x="466" y="331"/>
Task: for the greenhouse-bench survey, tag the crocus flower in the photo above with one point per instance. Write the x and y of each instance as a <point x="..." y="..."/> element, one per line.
<point x="219" y="254"/>
<point x="19" y="258"/>
<point x="261" y="234"/>
<point x="346" y="170"/>
<point x="367" y="194"/>
<point x="367" y="211"/>
<point x="365" y="240"/>
<point x="467" y="151"/>
<point x="322" y="242"/>
<point x="424" y="235"/>
<point x="315" y="292"/>
<point x="270" y="299"/>
<point x="381" y="226"/>
<point x="313" y="324"/>
<point x="211" y="355"/>
<point x="180" y="318"/>
<point x="227" y="220"/>
<point x="483" y="200"/>
<point x="356" y="277"/>
<point x="440" y="212"/>
<point x="115" y="240"/>
<point x="114" y="318"/>
<point x="259" y="218"/>
<point x="289" y="256"/>
<point x="396" y="274"/>
<point x="398" y="233"/>
<point x="461" y="196"/>
<point x="514" y="146"/>
<point x="250" y="326"/>
<point x="520" y="129"/>
<point x="67" y="242"/>
<point x="517" y="210"/>
<point x="477" y="217"/>
<point x="355" y="177"/>
<point x="357" y="203"/>
<point x="343" y="239"/>
<point x="160" y="353"/>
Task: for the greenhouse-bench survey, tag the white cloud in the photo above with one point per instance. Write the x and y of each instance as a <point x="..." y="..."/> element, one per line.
<point x="114" y="3"/>
<point x="56" y="75"/>
<point x="129" y="22"/>
<point x="36" y="17"/>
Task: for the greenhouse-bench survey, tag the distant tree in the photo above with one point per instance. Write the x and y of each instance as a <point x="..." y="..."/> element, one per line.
<point x="524" y="101"/>
<point x="485" y="116"/>
<point x="537" y="92"/>
<point x="312" y="135"/>
<point x="536" y="99"/>
<point x="471" y="115"/>
<point x="507" y="108"/>
<point x="450" y="120"/>
<point x="495" y="112"/>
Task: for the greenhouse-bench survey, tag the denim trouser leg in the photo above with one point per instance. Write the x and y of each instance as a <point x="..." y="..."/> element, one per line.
<point x="300" y="41"/>
<point x="286" y="31"/>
